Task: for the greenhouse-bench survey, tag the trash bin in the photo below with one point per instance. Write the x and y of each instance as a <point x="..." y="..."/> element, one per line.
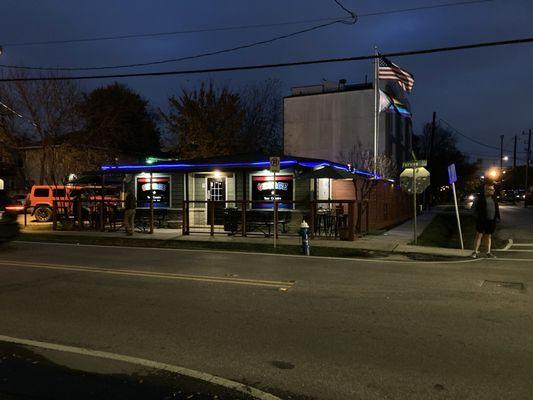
<point x="231" y="219"/>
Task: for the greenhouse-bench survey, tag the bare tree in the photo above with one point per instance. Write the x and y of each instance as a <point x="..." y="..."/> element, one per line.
<point x="362" y="159"/>
<point x="47" y="113"/>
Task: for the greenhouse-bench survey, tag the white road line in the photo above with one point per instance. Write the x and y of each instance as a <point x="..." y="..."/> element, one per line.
<point x="522" y="245"/>
<point x="517" y="250"/>
<point x="508" y="245"/>
<point x="350" y="259"/>
<point x="203" y="376"/>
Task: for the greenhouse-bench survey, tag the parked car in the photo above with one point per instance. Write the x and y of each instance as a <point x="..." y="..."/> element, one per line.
<point x="9" y="227"/>
<point x="42" y="197"/>
<point x="20" y="203"/>
<point x="507" y="196"/>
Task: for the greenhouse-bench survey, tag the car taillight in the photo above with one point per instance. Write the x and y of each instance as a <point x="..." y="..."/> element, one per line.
<point x="14" y="208"/>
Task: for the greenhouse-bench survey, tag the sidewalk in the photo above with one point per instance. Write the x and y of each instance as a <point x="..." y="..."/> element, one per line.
<point x="396" y="240"/>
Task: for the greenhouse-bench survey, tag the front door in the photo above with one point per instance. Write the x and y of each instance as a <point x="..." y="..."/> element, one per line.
<point x="216" y="191"/>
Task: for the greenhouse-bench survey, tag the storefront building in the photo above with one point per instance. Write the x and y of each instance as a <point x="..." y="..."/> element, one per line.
<point x="232" y="182"/>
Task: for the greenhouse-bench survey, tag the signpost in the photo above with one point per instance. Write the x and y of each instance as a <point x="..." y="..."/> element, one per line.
<point x="275" y="167"/>
<point x="414" y="179"/>
<point x="452" y="177"/>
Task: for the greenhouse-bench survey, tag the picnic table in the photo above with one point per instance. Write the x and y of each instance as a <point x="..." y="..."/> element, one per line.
<point x="256" y="221"/>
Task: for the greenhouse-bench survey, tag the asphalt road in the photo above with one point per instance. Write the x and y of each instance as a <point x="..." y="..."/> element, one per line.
<point x="292" y="326"/>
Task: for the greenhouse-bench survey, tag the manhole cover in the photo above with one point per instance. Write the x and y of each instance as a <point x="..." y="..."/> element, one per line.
<point x="505" y="285"/>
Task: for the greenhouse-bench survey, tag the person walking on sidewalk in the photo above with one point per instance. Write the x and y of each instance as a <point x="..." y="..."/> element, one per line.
<point x="130" y="204"/>
<point x="487" y="211"/>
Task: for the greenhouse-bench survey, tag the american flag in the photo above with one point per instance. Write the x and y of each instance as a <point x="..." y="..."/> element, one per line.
<point x="390" y="71"/>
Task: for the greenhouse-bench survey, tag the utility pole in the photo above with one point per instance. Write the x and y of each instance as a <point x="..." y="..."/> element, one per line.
<point x="501" y="153"/>
<point x="514" y="180"/>
<point x="514" y="155"/>
<point x="430" y="155"/>
<point x="528" y="156"/>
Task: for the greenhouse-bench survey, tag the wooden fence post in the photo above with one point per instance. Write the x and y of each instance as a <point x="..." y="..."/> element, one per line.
<point x="80" y="219"/>
<point x="184" y="218"/>
<point x="351" y="215"/>
<point x="243" y="217"/>
<point x="312" y="217"/>
<point x="54" y="216"/>
<point x="211" y="212"/>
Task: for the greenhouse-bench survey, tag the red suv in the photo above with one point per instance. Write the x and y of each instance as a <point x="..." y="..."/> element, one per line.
<point x="41" y="198"/>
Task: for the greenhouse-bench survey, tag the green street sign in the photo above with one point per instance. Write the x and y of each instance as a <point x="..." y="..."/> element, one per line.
<point x="415" y="164"/>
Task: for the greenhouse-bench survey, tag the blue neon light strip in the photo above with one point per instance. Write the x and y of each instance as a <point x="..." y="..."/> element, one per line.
<point x="180" y="166"/>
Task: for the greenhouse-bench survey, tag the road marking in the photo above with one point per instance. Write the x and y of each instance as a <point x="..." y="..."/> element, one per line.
<point x="349" y="259"/>
<point x="517" y="250"/>
<point x="509" y="259"/>
<point x="508" y="245"/>
<point x="203" y="376"/>
<point x="148" y="274"/>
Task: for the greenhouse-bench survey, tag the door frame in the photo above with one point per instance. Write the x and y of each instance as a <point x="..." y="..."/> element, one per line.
<point x="223" y="178"/>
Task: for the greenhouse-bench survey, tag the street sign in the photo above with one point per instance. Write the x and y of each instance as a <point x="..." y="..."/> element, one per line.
<point x="422" y="179"/>
<point x="452" y="178"/>
<point x="452" y="174"/>
<point x="274" y="164"/>
<point x="414" y="164"/>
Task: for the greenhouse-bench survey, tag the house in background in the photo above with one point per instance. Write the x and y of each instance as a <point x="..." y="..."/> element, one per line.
<point x="331" y="120"/>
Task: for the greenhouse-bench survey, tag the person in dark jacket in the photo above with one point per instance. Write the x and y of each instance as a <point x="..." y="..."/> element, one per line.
<point x="487" y="212"/>
<point x="130" y="204"/>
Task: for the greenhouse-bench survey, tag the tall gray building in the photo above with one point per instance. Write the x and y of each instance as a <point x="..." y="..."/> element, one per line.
<point x="335" y="121"/>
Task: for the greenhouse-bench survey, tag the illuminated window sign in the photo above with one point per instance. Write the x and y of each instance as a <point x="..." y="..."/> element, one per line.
<point x="263" y="189"/>
<point x="160" y="191"/>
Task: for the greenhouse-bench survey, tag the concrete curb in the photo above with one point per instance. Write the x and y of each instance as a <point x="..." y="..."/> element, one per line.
<point x="397" y="249"/>
<point x="199" y="375"/>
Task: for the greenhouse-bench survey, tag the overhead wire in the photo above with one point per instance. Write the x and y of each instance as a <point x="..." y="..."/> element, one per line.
<point x="457" y="131"/>
<point x="275" y="65"/>
<point x="352" y="20"/>
<point x="12" y="111"/>
<point x="237" y="27"/>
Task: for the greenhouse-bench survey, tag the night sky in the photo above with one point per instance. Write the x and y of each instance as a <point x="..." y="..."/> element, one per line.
<point x="484" y="93"/>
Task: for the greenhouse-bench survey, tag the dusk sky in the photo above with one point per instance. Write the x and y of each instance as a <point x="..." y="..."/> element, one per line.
<point x="484" y="93"/>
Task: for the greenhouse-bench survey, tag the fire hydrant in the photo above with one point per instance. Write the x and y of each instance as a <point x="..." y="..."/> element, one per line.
<point x="304" y="235"/>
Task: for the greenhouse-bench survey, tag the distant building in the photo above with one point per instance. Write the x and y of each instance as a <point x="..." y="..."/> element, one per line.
<point x="333" y="120"/>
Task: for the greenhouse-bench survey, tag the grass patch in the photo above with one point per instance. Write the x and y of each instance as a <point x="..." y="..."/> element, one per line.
<point x="199" y="245"/>
<point x="443" y="232"/>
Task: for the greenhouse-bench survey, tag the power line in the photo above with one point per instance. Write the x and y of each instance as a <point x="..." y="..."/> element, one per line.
<point x="469" y="138"/>
<point x="273" y="66"/>
<point x="16" y="113"/>
<point x="238" y="27"/>
<point x="352" y="20"/>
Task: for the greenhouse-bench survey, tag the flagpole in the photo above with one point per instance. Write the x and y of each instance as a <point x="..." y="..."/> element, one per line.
<point x="376" y="109"/>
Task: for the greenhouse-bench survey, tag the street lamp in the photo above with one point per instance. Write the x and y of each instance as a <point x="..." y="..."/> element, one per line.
<point x="505" y="158"/>
<point x="493" y="173"/>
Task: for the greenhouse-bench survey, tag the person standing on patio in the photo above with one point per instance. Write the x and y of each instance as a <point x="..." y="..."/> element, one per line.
<point x="130" y="204"/>
<point x="487" y="212"/>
